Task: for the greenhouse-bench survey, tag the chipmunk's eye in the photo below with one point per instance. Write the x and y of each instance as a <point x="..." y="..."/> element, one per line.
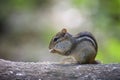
<point x="55" y="39"/>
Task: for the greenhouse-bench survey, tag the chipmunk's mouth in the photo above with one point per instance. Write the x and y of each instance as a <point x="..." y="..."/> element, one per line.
<point x="53" y="51"/>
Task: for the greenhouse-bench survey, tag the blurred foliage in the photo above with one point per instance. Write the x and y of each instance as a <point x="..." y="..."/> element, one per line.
<point x="111" y="52"/>
<point x="22" y="42"/>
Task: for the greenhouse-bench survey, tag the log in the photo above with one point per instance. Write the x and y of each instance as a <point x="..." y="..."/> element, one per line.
<point x="10" y="70"/>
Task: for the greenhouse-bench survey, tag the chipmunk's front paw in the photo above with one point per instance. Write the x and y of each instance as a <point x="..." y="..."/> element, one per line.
<point x="69" y="60"/>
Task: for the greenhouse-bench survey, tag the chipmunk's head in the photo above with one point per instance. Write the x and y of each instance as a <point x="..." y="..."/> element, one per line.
<point x="60" y="43"/>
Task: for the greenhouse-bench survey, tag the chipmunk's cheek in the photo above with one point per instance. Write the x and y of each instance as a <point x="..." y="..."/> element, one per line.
<point x="58" y="48"/>
<point x="62" y="47"/>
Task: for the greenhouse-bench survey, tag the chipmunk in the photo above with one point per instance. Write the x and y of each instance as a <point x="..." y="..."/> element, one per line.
<point x="83" y="46"/>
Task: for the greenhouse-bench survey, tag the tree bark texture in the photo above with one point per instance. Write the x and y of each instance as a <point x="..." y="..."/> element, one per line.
<point x="10" y="70"/>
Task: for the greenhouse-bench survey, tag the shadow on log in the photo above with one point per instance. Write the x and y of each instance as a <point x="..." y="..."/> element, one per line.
<point x="50" y="71"/>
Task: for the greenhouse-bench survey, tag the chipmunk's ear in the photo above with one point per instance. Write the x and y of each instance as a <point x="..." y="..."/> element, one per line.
<point x="64" y="30"/>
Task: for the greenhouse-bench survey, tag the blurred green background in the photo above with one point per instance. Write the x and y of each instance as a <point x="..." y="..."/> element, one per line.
<point x="26" y="27"/>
